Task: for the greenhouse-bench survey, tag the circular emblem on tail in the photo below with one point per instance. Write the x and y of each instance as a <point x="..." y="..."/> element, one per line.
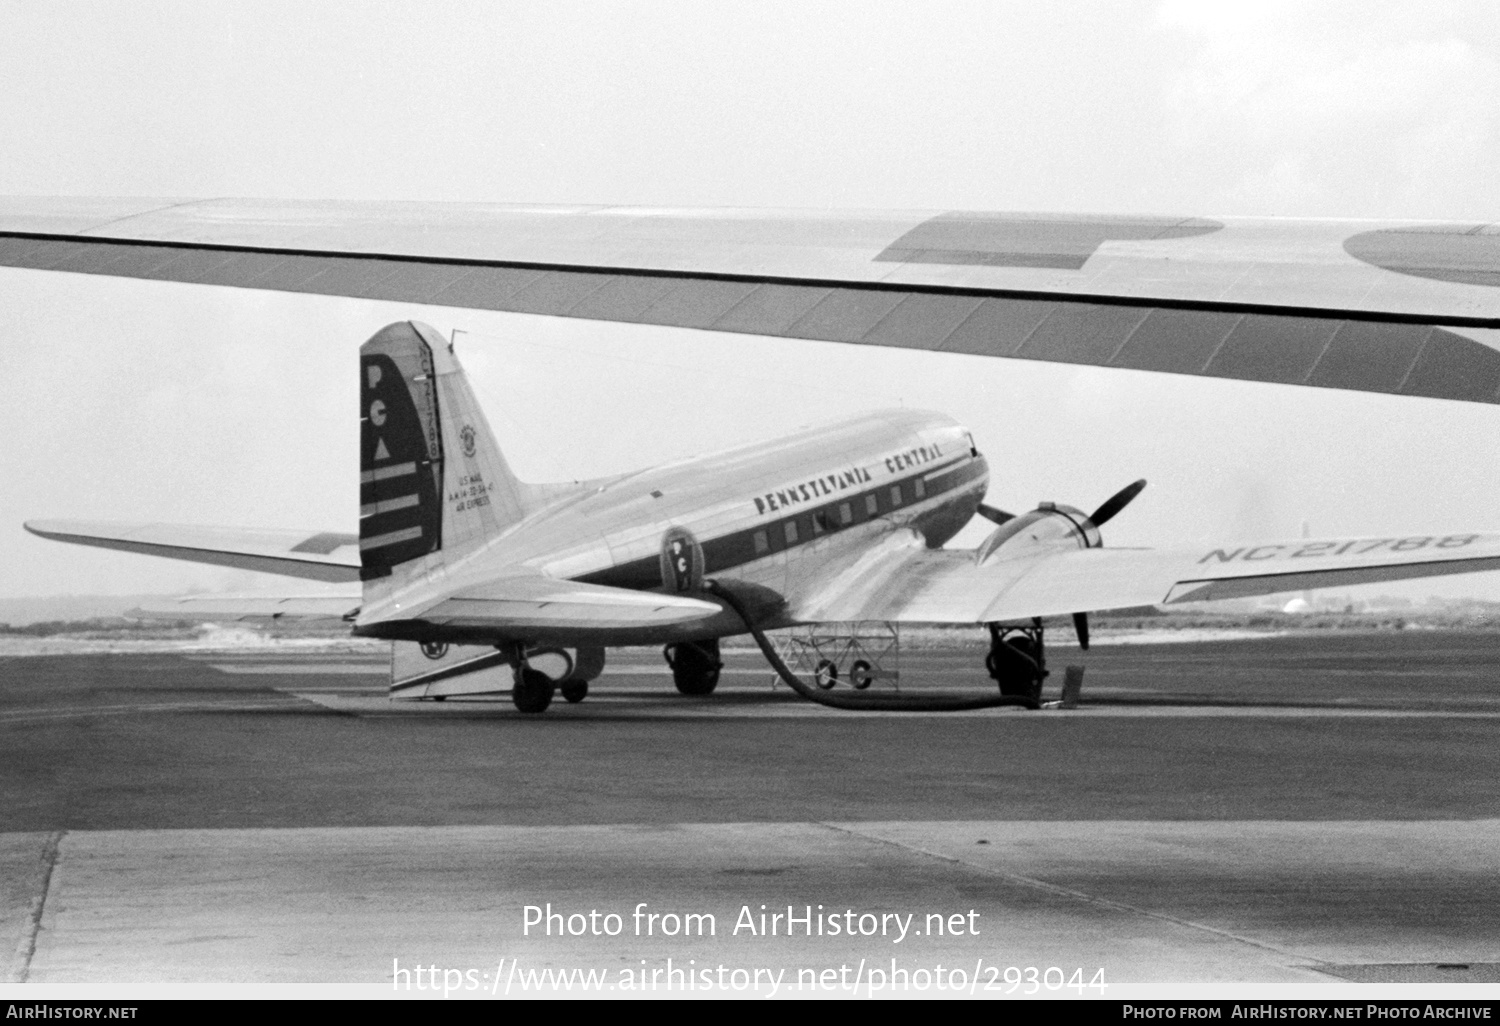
<point x="466" y="436"/>
<point x="434" y="649"/>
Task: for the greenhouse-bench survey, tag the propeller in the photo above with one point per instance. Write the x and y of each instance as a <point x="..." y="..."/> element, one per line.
<point x="1117" y="502"/>
<point x="1081" y="625"/>
<point x="1104" y="514"/>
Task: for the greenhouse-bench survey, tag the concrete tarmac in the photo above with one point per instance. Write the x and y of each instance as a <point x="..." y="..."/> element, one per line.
<point x="1306" y="808"/>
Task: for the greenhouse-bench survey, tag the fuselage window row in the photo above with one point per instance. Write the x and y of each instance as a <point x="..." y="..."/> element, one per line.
<point x="729" y="551"/>
<point x="746" y="546"/>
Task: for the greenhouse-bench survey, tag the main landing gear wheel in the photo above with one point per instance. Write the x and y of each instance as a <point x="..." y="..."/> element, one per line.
<point x="533" y="690"/>
<point x="575" y="690"/>
<point x="1017" y="662"/>
<point x="695" y="666"/>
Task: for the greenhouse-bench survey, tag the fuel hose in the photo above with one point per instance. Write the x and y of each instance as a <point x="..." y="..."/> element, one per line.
<point x="876" y="702"/>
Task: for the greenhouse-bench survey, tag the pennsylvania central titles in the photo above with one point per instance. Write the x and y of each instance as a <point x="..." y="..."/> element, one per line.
<point x="839" y="481"/>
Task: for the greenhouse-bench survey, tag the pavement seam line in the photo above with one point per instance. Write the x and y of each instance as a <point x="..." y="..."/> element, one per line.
<point x="1309" y="961"/>
<point x="26" y="948"/>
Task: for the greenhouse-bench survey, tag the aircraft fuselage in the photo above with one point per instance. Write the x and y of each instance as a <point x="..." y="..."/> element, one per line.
<point x="777" y="518"/>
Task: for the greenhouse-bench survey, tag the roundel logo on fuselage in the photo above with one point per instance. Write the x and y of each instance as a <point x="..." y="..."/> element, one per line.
<point x="466" y="437"/>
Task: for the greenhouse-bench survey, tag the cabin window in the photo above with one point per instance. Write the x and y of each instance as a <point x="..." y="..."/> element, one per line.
<point x="846" y="514"/>
<point x="791" y="532"/>
<point x="762" y="543"/>
<point x="895" y="495"/>
<point x="872" y="504"/>
<point x="919" y="488"/>
<point x="821" y="522"/>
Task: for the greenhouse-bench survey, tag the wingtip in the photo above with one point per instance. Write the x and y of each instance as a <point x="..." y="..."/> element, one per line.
<point x="57" y="530"/>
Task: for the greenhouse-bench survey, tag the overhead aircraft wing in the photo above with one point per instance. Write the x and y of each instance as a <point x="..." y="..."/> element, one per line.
<point x="336" y="608"/>
<point x="1411" y="308"/>
<point x="905" y="582"/>
<point x="314" y="555"/>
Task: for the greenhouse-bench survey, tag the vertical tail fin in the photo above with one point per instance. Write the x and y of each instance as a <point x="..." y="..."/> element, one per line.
<point x="433" y="483"/>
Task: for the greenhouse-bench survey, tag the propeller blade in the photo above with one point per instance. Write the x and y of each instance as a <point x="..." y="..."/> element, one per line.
<point x="1081" y="625"/>
<point x="1117" y="502"/>
<point x="999" y="516"/>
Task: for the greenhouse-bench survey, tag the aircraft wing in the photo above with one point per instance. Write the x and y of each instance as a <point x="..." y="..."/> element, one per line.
<point x="532" y="606"/>
<point x="315" y="555"/>
<point x="1411" y="308"/>
<point x="906" y="583"/>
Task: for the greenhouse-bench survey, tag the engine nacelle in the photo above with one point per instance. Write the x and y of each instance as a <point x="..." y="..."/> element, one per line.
<point x="1049" y="527"/>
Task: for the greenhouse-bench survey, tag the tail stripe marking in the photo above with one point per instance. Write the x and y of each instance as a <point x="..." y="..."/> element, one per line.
<point x="398" y="470"/>
<point x="381" y="541"/>
<point x="389" y="505"/>
<point x="401" y="453"/>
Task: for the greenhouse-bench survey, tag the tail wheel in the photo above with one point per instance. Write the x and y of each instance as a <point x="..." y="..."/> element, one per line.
<point x="533" y="690"/>
<point x="575" y="691"/>
<point x="861" y="673"/>
<point x="826" y="675"/>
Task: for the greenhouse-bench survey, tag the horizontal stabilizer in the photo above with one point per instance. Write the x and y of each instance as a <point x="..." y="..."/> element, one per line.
<point x="314" y="555"/>
<point x="336" y="608"/>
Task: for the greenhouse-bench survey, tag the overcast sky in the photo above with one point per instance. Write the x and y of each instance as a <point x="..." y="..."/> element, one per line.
<point x="148" y="400"/>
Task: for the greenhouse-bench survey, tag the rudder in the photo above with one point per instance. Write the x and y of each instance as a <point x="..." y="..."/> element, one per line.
<point x="433" y="483"/>
<point x="400" y="452"/>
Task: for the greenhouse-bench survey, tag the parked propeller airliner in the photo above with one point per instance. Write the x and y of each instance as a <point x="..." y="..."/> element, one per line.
<point x="468" y="570"/>
<point x="839" y="523"/>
